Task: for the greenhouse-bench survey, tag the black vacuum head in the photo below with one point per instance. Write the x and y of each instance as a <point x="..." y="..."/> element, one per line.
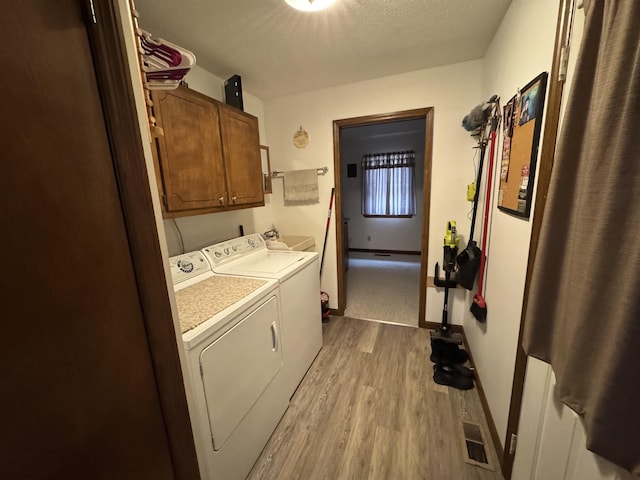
<point x="467" y="272"/>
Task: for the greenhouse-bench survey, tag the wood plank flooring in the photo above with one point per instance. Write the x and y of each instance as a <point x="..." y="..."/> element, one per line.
<point x="368" y="409"/>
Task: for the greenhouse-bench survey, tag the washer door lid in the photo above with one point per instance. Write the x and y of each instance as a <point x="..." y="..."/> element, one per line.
<point x="271" y="264"/>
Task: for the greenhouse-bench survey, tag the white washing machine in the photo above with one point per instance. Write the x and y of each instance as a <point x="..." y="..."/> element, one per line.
<point x="299" y="278"/>
<point x="231" y="332"/>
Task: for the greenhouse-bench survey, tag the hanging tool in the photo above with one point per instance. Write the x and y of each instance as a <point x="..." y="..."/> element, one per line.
<point x="326" y="232"/>
<point x="469" y="258"/>
<point x="479" y="305"/>
<point x="479" y="114"/>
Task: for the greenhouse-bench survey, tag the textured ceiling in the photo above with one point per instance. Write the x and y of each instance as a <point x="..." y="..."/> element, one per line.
<point x="279" y="51"/>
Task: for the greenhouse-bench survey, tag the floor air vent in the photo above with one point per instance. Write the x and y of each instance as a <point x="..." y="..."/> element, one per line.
<point x="473" y="446"/>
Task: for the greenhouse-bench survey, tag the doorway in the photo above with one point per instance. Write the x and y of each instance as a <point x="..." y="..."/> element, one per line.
<point x="397" y="259"/>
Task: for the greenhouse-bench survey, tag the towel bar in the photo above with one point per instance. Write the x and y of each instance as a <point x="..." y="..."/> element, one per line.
<point x="278" y="173"/>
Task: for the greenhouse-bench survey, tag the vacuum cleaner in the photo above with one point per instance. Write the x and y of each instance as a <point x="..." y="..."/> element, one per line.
<point x="446" y="355"/>
<point x="450" y="267"/>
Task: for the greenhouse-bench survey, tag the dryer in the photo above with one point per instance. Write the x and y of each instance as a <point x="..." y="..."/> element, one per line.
<point x="232" y="337"/>
<point x="299" y="279"/>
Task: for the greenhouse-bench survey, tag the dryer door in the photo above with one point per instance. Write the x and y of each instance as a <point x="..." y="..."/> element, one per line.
<point x="238" y="367"/>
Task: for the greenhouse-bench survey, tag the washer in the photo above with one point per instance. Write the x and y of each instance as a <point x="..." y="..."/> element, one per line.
<point x="299" y="279"/>
<point x="231" y="334"/>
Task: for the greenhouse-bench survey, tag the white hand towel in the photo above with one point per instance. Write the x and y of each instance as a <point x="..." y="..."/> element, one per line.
<point x="301" y="186"/>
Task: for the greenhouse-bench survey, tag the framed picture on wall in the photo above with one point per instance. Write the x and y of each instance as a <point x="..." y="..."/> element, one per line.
<point x="528" y="104"/>
<point x="521" y="135"/>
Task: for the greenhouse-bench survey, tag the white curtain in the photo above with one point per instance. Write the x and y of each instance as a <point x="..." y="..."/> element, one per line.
<point x="389" y="184"/>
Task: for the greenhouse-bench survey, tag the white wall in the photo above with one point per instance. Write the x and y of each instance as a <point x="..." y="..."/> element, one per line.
<point x="521" y="49"/>
<point x="403" y="234"/>
<point x="132" y="61"/>
<point x="452" y="90"/>
<point x="202" y="230"/>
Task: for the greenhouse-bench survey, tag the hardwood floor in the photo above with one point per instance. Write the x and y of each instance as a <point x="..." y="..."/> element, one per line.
<point x="368" y="409"/>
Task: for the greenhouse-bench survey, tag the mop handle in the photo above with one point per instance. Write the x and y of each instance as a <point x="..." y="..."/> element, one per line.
<point x="483" y="146"/>
<point x="487" y="207"/>
<point x="326" y="232"/>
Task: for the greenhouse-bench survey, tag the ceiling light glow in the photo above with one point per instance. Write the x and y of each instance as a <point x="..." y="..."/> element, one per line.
<point x="310" y="5"/>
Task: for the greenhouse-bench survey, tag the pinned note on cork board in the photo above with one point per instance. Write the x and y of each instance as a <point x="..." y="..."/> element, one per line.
<point x="522" y="123"/>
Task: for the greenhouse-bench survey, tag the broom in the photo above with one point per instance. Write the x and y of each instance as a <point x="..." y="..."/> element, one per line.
<point x="326" y="232"/>
<point x="479" y="305"/>
<point x="324" y="297"/>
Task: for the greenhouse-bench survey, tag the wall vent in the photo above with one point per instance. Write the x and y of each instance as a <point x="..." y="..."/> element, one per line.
<point x="473" y="446"/>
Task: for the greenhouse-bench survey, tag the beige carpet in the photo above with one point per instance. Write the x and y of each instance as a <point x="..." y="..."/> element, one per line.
<point x="384" y="288"/>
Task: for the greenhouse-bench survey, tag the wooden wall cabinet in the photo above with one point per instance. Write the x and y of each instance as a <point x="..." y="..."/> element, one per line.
<point x="209" y="157"/>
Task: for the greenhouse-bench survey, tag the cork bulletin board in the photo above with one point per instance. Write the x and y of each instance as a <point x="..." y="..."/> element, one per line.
<point x="521" y="134"/>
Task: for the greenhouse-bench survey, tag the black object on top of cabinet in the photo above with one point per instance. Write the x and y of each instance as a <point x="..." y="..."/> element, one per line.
<point x="233" y="92"/>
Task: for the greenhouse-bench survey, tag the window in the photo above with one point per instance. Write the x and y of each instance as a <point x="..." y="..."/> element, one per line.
<point x="388" y="184"/>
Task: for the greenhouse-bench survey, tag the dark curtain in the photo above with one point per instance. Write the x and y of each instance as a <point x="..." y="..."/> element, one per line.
<point x="583" y="313"/>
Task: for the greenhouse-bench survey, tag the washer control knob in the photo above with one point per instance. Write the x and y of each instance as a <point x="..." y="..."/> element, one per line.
<point x="186" y="266"/>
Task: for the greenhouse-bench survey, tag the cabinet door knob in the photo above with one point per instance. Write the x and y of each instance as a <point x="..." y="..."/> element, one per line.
<point x="234" y="199"/>
<point x="221" y="200"/>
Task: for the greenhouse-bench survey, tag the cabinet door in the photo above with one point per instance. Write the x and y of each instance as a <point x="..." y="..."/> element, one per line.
<point x="190" y="152"/>
<point x="241" y="146"/>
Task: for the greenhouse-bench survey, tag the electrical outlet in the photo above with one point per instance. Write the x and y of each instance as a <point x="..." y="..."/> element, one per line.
<point x="368" y="238"/>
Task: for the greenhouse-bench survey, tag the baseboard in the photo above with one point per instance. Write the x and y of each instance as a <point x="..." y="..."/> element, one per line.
<point x="454" y="328"/>
<point x="485" y="404"/>
<point x="483" y="398"/>
<point x="402" y="252"/>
